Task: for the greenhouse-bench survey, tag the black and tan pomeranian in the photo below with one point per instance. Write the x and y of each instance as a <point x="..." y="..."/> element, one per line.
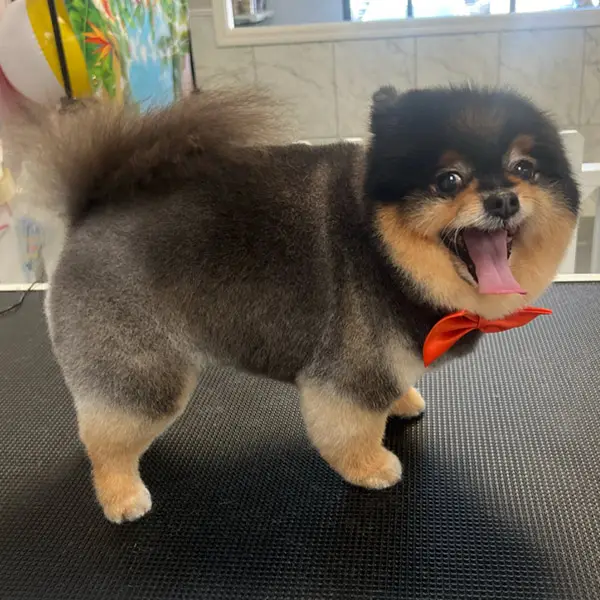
<point x="188" y="240"/>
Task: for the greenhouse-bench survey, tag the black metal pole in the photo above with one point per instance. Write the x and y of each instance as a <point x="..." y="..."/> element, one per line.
<point x="60" y="50"/>
<point x="195" y="89"/>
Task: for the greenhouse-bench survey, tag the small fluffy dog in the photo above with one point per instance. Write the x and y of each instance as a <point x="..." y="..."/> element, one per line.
<point x="188" y="240"/>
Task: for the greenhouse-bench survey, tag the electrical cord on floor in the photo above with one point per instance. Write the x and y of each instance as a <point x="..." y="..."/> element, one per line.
<point x="19" y="302"/>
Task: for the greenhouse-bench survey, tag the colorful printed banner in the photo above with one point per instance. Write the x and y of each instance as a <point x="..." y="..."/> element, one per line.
<point x="134" y="50"/>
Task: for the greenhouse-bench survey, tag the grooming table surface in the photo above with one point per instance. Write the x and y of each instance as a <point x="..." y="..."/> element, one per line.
<point x="500" y="498"/>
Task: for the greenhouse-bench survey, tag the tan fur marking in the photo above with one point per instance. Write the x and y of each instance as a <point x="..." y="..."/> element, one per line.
<point x="413" y="243"/>
<point x="434" y="217"/>
<point x="349" y="438"/>
<point x="115" y="441"/>
<point x="449" y="158"/>
<point x="513" y="179"/>
<point x="410" y="405"/>
<point x="522" y="144"/>
<point x="520" y="150"/>
<point x="481" y="119"/>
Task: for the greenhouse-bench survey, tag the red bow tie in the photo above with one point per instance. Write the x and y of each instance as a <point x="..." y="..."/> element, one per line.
<point x="447" y="331"/>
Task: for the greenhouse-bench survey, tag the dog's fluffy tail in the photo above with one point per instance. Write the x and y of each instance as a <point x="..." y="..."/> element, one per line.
<point x="87" y="154"/>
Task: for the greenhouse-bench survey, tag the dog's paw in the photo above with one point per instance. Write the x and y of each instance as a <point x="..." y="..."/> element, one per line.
<point x="411" y="405"/>
<point x="126" y="503"/>
<point x="382" y="471"/>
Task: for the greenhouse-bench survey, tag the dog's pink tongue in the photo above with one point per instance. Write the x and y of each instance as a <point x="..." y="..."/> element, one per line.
<point x="489" y="253"/>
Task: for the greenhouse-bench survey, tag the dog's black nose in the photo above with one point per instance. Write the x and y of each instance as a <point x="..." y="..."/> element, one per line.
<point x="503" y="205"/>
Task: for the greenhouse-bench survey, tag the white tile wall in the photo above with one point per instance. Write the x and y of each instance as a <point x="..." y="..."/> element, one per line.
<point x="361" y="67"/>
<point x="458" y="58"/>
<point x="330" y="84"/>
<point x="547" y="66"/>
<point x="219" y="66"/>
<point x="304" y="76"/>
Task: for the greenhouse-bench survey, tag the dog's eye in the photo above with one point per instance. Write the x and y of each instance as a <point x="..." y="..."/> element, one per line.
<point x="524" y="169"/>
<point x="449" y="182"/>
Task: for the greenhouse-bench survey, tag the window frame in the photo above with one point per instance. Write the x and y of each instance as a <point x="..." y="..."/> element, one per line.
<point x="227" y="36"/>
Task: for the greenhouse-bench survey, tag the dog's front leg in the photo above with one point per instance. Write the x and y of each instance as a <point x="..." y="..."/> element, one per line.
<point x="349" y="436"/>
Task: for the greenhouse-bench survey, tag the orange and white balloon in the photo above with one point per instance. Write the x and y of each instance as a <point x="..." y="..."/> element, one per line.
<point x="28" y="55"/>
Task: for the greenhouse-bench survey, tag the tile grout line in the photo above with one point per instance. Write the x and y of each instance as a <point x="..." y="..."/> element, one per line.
<point x="499" y="65"/>
<point x="415" y="61"/>
<point x="497" y="78"/>
<point x="581" y="81"/>
<point x="336" y="103"/>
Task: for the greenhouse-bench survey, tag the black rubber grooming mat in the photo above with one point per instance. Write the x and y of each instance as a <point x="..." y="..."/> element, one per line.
<point x="500" y="499"/>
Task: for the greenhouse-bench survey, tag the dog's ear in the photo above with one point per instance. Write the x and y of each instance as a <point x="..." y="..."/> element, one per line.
<point x="389" y="108"/>
<point x="392" y="115"/>
<point x="384" y="97"/>
<point x="382" y="107"/>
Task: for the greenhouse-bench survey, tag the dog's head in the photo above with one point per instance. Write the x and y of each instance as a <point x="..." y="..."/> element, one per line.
<point x="473" y="195"/>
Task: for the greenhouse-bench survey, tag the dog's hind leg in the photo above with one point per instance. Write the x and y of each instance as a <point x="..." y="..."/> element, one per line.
<point x="116" y="434"/>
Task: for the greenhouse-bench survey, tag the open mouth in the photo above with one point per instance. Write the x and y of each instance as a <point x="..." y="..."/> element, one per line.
<point x="485" y="255"/>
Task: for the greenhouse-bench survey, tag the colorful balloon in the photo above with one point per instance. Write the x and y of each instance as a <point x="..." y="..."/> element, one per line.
<point x="10" y="99"/>
<point x="28" y="55"/>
